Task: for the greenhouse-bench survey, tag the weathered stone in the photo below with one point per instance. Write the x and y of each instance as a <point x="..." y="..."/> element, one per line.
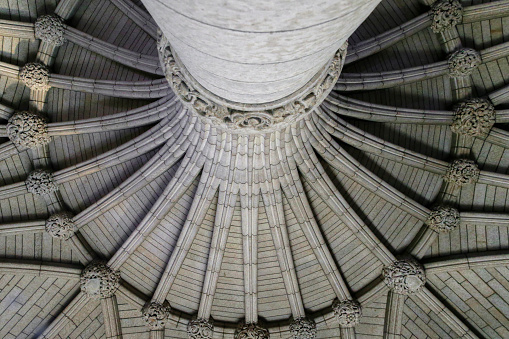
<point x="404" y="276"/>
<point x="28" y="129"/>
<point x="98" y="281"/>
<point x="303" y="328"/>
<point x="40" y="182"/>
<point x="347" y="312"/>
<point x="156" y="315"/>
<point x="462" y="172"/>
<point x="200" y="329"/>
<point x="251" y="331"/>
<point x="446" y="14"/>
<point x="443" y="219"/>
<point x="463" y="62"/>
<point x="35" y="76"/>
<point x="61" y="225"/>
<point x="50" y="29"/>
<point x="474" y="117"/>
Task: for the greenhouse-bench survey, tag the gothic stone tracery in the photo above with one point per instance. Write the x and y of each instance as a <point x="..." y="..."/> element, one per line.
<point x="98" y="281"/>
<point x="40" y="182"/>
<point x="156" y="315"/>
<point x="474" y="117"/>
<point x="50" y="29"/>
<point x="200" y="329"/>
<point x="404" y="276"/>
<point x="446" y="14"/>
<point x="303" y="328"/>
<point x="443" y="219"/>
<point x="463" y="62"/>
<point x="61" y="225"/>
<point x="27" y="129"/>
<point x="347" y="312"/>
<point x="35" y="76"/>
<point x="251" y="331"/>
<point x="462" y="172"/>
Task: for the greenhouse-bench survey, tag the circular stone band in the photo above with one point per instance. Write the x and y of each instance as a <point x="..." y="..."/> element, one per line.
<point x="248" y="118"/>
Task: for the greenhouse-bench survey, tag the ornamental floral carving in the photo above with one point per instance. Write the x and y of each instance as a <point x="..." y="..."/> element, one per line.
<point x="27" y="129"/>
<point x="404" y="276"/>
<point x="98" y="281"/>
<point x="235" y="119"/>
<point x="251" y="331"/>
<point x="303" y="328"/>
<point x="347" y="312"/>
<point x="40" y="182"/>
<point x="446" y="14"/>
<point x="155" y="315"/>
<point x="474" y="117"/>
<point x="200" y="329"/>
<point x="50" y="29"/>
<point x="463" y="62"/>
<point x="462" y="172"/>
<point x="35" y="76"/>
<point x="443" y="219"/>
<point x="61" y="225"/>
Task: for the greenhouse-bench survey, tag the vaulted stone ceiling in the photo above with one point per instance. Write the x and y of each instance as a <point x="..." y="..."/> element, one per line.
<point x="380" y="213"/>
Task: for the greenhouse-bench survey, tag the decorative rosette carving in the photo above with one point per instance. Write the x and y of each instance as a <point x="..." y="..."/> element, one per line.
<point x="446" y="14"/>
<point x="347" y="312"/>
<point x="40" y="182"/>
<point x="443" y="219"/>
<point x="98" y="281"/>
<point x="200" y="329"/>
<point x="256" y="117"/>
<point x="463" y="62"/>
<point x="251" y="331"/>
<point x="156" y="315"/>
<point x="474" y="117"/>
<point x="28" y="129"/>
<point x="462" y="172"/>
<point x="35" y="76"/>
<point x="50" y="28"/>
<point x="61" y="225"/>
<point x="404" y="276"/>
<point x="303" y="328"/>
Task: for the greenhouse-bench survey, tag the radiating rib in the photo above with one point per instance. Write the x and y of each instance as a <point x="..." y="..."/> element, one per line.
<point x="22" y="227"/>
<point x="7" y="149"/>
<point x="394" y="315"/>
<point x="111" y="317"/>
<point x="500" y="96"/>
<point x="494" y="179"/>
<point x="498" y="137"/>
<point x="467" y="261"/>
<point x="484" y="218"/>
<point x="502" y="116"/>
<point x="202" y="200"/>
<point x="296" y="196"/>
<point x="313" y="171"/>
<point x="136" y="14"/>
<point x="13" y="190"/>
<point x="39" y="268"/>
<point x="146" y="63"/>
<point x="348" y="165"/>
<point x="66" y="8"/>
<point x="380" y="113"/>
<point x="387" y="39"/>
<point x="147" y="89"/>
<point x="9" y="70"/>
<point x="6" y="111"/>
<point x="364" y="141"/>
<point x="486" y="11"/>
<point x="17" y="29"/>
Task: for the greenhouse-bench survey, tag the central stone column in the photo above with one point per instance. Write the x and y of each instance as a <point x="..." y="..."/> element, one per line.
<point x="253" y="55"/>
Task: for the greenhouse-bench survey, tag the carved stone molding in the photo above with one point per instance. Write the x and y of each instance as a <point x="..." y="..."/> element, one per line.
<point x="200" y="329"/>
<point x="251" y="331"/>
<point x="40" y="182"/>
<point x="443" y="219"/>
<point x="50" y="29"/>
<point x="404" y="276"/>
<point x="463" y="62"/>
<point x="28" y="129"/>
<point x="35" y="76"/>
<point x="347" y="312"/>
<point x="248" y="117"/>
<point x="303" y="328"/>
<point x="446" y="14"/>
<point x="462" y="172"/>
<point x="474" y="117"/>
<point x="156" y="315"/>
<point x="98" y="281"/>
<point x="61" y="225"/>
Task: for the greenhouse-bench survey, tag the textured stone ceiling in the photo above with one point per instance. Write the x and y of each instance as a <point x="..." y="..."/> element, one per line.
<point x="380" y="214"/>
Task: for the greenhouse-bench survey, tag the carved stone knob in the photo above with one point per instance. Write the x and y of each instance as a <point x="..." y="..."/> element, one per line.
<point x="404" y="276"/>
<point x="348" y="312"/>
<point x="40" y="182"/>
<point x="443" y="219"/>
<point x="446" y="14"/>
<point x="251" y="331"/>
<point x="27" y="129"/>
<point x="463" y="62"/>
<point x="303" y="328"/>
<point x="35" y="76"/>
<point x="61" y="225"/>
<point x="50" y="28"/>
<point x="200" y="329"/>
<point x="156" y="315"/>
<point x="98" y="281"/>
<point x="462" y="172"/>
<point x="474" y="117"/>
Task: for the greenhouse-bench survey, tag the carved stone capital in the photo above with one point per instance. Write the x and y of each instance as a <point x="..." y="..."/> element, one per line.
<point x="474" y="117"/>
<point x="98" y="281"/>
<point x="35" y="76"/>
<point x="28" y="129"/>
<point x="156" y="315"/>
<point x="462" y="172"/>
<point x="303" y="328"/>
<point x="251" y="331"/>
<point x="200" y="329"/>
<point x="61" y="225"/>
<point x="404" y="276"/>
<point x="446" y="14"/>
<point x="40" y="182"/>
<point x="248" y="117"/>
<point x="50" y="29"/>
<point x="443" y="219"/>
<point x="463" y="62"/>
<point x="347" y="312"/>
